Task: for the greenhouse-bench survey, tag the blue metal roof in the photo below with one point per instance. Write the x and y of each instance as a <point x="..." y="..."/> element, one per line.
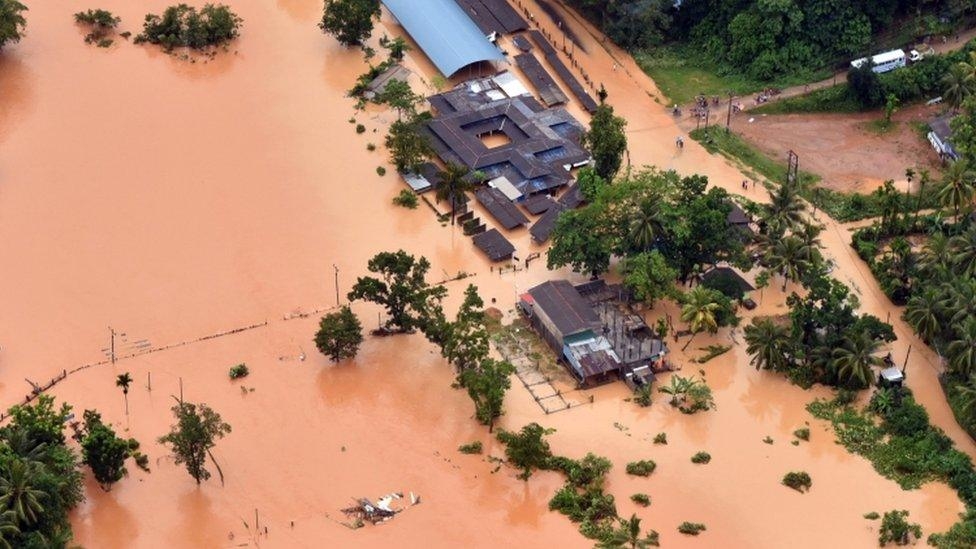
<point x="445" y="33"/>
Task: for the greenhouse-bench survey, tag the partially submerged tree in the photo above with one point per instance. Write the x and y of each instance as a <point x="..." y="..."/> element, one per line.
<point x="606" y="141"/>
<point x="400" y="96"/>
<point x="700" y="309"/>
<point x="465" y="342"/>
<point x="527" y="449"/>
<point x="454" y="182"/>
<point x="402" y="289"/>
<point x="407" y="143"/>
<point x="486" y="385"/>
<point x="185" y="26"/>
<point x="101" y="22"/>
<point x="349" y="21"/>
<point x="103" y="451"/>
<point x="339" y="335"/>
<point x="123" y="381"/>
<point x="650" y="277"/>
<point x="196" y="432"/>
<point x="12" y="21"/>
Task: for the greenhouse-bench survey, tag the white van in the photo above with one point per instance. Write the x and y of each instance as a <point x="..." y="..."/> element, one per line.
<point x="883" y="62"/>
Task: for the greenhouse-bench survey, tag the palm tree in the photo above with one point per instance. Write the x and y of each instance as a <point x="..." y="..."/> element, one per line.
<point x="962" y="350"/>
<point x="923" y="179"/>
<point x="958" y="84"/>
<point x="809" y="233"/>
<point x="17" y="493"/>
<point x="452" y="185"/>
<point x="958" y="186"/>
<point x="959" y="301"/>
<point x="963" y="248"/>
<point x="768" y="344"/>
<point x="936" y="255"/>
<point x="924" y="314"/>
<point x="967" y="400"/>
<point x="123" y="381"/>
<point x="676" y="387"/>
<point x="699" y="311"/>
<point x="645" y="225"/>
<point x="8" y="529"/>
<point x="890" y="201"/>
<point x="854" y="359"/>
<point x="786" y="257"/>
<point x="785" y="210"/>
<point x="629" y="535"/>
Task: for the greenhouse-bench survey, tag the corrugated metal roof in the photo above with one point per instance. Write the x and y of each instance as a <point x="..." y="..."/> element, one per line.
<point x="564" y="307"/>
<point x="446" y="34"/>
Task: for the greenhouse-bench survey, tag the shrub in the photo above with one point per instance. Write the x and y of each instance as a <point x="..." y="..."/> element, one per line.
<point x="803" y="433"/>
<point x="691" y="528"/>
<point x="184" y="26"/>
<point x="360" y="128"/>
<point x="701" y="458"/>
<point x="142" y="461"/>
<point x="641" y="499"/>
<point x="133" y="444"/>
<point x="370" y="147"/>
<point x="798" y="480"/>
<point x="527" y="449"/>
<point x="907" y="420"/>
<point x="872" y="515"/>
<point x="239" y="371"/>
<point x="380" y="171"/>
<point x="642" y="396"/>
<point x="471" y="447"/>
<point x="407" y="199"/>
<point x="661" y="438"/>
<point x="641" y="468"/>
<point x="585" y="473"/>
<point x="895" y="528"/>
<point x="768" y="439"/>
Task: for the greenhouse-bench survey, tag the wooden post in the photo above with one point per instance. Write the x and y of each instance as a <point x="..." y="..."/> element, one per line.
<point x="905" y="366"/>
<point x="181" y="390"/>
<point x="149" y="381"/>
<point x="257" y="525"/>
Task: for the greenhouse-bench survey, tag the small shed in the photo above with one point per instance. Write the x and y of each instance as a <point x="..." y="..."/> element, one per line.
<point x="891" y="377"/>
<point x="501" y="208"/>
<point x="495" y="246"/>
<point x="939" y="138"/>
<point x="727" y="280"/>
<point x="558" y="311"/>
<point x="591" y="358"/>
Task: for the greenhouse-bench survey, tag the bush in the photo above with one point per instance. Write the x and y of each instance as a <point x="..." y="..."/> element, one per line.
<point x="360" y="128"/>
<point x="585" y="473"/>
<point x="239" y="371"/>
<point x="907" y="420"/>
<point x="184" y="26"/>
<point x="895" y="528"/>
<point x="471" y="447"/>
<point x="370" y="147"/>
<point x="406" y="199"/>
<point x="641" y="499"/>
<point x="798" y="480"/>
<point x="642" y="396"/>
<point x="142" y="461"/>
<point x="641" y="468"/>
<point x="380" y="171"/>
<point x="661" y="438"/>
<point x="872" y="515"/>
<point x="527" y="449"/>
<point x="802" y="433"/>
<point x="701" y="458"/>
<point x="691" y="528"/>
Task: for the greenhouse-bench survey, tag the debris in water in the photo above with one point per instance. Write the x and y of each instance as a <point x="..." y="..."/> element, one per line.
<point x="381" y="511"/>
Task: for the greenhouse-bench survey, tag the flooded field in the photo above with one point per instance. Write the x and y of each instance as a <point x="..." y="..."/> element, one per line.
<point x="171" y="200"/>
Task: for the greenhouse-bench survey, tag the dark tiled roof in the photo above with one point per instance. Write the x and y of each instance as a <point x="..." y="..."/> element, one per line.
<point x="547" y="87"/>
<point x="557" y="65"/>
<point x="542" y="229"/>
<point x="495" y="246"/>
<point x="730" y="273"/>
<point x="565" y="307"/>
<point x="501" y="208"/>
<point x="738" y="216"/>
<point x="538" y="204"/>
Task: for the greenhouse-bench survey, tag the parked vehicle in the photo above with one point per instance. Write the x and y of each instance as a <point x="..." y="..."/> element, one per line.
<point x="883" y="62"/>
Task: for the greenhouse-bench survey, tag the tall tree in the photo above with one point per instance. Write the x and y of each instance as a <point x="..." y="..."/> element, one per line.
<point x="786" y="258"/>
<point x="963" y="248"/>
<point x="606" y="141"/>
<point x="339" y="335"/>
<point x="407" y="143"/>
<point x="12" y="21"/>
<point x="19" y="494"/>
<point x="453" y="184"/>
<point x="628" y="535"/>
<point x="581" y="240"/>
<point x="466" y="342"/>
<point x="527" y="449"/>
<point x="958" y="186"/>
<point x="784" y="211"/>
<point x="962" y="350"/>
<point x="350" y="21"/>
<point x="924" y="314"/>
<point x="769" y="345"/>
<point x="402" y="288"/>
<point x="103" y="451"/>
<point x="699" y="309"/>
<point x="196" y="432"/>
<point x="8" y="529"/>
<point x="123" y="381"/>
<point x="649" y="276"/>
<point x="398" y="95"/>
<point x="958" y="84"/>
<point x="486" y="385"/>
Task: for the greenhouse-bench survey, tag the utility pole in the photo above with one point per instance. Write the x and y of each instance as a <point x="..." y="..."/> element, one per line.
<point x="112" y="347"/>
<point x="728" y="119"/>
<point x="334" y="266"/>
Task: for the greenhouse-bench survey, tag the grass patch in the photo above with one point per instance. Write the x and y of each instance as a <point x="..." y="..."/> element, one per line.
<point x="712" y="351"/>
<point x="831" y="99"/>
<point x="681" y="74"/>
<point x="880" y="126"/>
<point x="471" y="448"/>
<point x="717" y="140"/>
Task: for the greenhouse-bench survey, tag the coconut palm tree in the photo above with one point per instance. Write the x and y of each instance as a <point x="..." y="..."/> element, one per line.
<point x="958" y="186"/>
<point x="936" y="255"/>
<point x="123" y="381"/>
<point x="959" y="301"/>
<point x="629" y="535"/>
<point x="785" y="210"/>
<point x="699" y="311"/>
<point x="677" y="387"/>
<point x="963" y="248"/>
<point x="967" y="400"/>
<point x="958" y="84"/>
<point x="962" y="350"/>
<point x="786" y="257"/>
<point x="645" y="224"/>
<point x="452" y="185"/>
<point x="854" y="359"/>
<point x="809" y="233"/>
<point x="768" y="343"/>
<point x="8" y="529"/>
<point x="18" y="494"/>
<point x="924" y="314"/>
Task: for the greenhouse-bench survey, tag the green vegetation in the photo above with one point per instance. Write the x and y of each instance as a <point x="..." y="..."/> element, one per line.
<point x="895" y="529"/>
<point x="340" y="334"/>
<point x="712" y="351"/>
<point x="661" y="438"/>
<point x="360" y="129"/>
<point x="196" y="432"/>
<point x="831" y="99"/>
<point x="123" y="381"/>
<point x="39" y="478"/>
<point x="407" y="144"/>
<point x="701" y="458"/>
<point x="628" y="534"/>
<point x="527" y="450"/>
<point x="641" y="499"/>
<point x="380" y="171"/>
<point x="12" y="21"/>
<point x="688" y="394"/>
<point x="732" y="146"/>
<point x="606" y="141"/>
<point x="798" y="480"/>
<point x="407" y="199"/>
<point x="184" y="26"/>
<point x="239" y="371"/>
<point x="471" y="448"/>
<point x="103" y="450"/>
<point x="873" y="515"/>
<point x="349" y="21"/>
<point x="802" y="433"/>
<point x="455" y="180"/>
<point x="101" y="22"/>
<point x="691" y="528"/>
<point x="402" y="289"/>
<point x="641" y="468"/>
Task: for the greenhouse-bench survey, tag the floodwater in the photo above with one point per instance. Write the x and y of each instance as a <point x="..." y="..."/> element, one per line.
<point x="171" y="200"/>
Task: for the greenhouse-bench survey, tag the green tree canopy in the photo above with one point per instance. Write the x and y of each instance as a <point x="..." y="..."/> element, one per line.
<point x="103" y="451"/>
<point x="402" y="288"/>
<point x="606" y="141"/>
<point x="196" y="432"/>
<point x="12" y="21"/>
<point x="407" y="144"/>
<point x="350" y="21"/>
<point x="339" y="335"/>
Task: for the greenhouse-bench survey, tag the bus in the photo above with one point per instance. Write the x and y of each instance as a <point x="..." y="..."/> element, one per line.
<point x="883" y="62"/>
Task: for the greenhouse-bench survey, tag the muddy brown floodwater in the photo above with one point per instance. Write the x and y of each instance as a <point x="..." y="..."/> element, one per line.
<point x="171" y="200"/>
